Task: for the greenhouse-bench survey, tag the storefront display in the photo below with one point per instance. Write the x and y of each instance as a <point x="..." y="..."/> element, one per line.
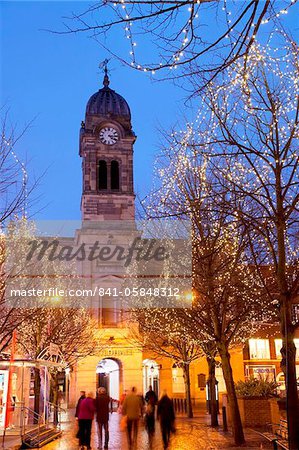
<point x="3" y="395"/>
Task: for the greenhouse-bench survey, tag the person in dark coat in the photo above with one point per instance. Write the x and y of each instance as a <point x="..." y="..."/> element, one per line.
<point x="102" y="403"/>
<point x="151" y="401"/>
<point x="165" y="413"/>
<point x="151" y="396"/>
<point x="82" y="396"/>
<point x="85" y="417"/>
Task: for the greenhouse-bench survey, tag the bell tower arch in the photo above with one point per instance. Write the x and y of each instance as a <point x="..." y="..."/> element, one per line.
<point x="106" y="149"/>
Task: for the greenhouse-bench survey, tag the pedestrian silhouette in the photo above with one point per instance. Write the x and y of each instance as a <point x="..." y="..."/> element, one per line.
<point x="82" y="396"/>
<point x="151" y="401"/>
<point x="85" y="417"/>
<point x="102" y="403"/>
<point x="166" y="416"/>
<point x="132" y="408"/>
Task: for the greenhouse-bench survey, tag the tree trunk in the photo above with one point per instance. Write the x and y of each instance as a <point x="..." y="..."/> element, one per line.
<point x="37" y="386"/>
<point x="287" y="328"/>
<point x="237" y="428"/>
<point x="212" y="392"/>
<point x="186" y="369"/>
<point x="288" y="365"/>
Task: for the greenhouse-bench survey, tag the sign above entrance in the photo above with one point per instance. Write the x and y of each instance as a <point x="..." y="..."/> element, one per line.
<point x="119" y="351"/>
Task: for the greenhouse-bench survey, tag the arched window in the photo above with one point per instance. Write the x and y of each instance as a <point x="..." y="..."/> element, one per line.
<point x="114" y="175"/>
<point x="102" y="175"/>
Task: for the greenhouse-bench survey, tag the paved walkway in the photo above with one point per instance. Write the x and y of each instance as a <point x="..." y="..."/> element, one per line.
<point x="192" y="434"/>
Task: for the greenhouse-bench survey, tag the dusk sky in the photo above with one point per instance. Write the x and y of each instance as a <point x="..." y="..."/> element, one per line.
<point x="48" y="78"/>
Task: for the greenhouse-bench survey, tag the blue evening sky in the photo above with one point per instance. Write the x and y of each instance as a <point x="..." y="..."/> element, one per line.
<point x="48" y="78"/>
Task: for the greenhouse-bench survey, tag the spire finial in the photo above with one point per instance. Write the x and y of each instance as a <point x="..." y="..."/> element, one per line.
<point x="104" y="65"/>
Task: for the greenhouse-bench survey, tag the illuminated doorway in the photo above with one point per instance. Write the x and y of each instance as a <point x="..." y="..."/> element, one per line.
<point x="108" y="377"/>
<point x="150" y="375"/>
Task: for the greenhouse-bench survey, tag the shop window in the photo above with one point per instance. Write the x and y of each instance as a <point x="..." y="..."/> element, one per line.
<point x="259" y="349"/>
<point x="259" y="372"/>
<point x="3" y="395"/>
<point x="278" y="345"/>
<point x="178" y="385"/>
<point x="280" y="380"/>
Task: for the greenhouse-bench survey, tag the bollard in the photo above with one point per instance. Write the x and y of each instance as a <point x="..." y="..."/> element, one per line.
<point x="224" y="419"/>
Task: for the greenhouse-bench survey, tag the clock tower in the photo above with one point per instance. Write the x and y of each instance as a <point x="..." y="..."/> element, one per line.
<point x="106" y="149"/>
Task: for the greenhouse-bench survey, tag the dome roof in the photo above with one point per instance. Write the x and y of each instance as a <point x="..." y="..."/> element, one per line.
<point x="107" y="102"/>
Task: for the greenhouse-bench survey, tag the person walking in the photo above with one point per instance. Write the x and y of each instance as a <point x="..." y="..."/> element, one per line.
<point x="85" y="417"/>
<point x="151" y="396"/>
<point x="132" y="408"/>
<point x="82" y="396"/>
<point x="151" y="401"/>
<point x="166" y="416"/>
<point x="102" y="403"/>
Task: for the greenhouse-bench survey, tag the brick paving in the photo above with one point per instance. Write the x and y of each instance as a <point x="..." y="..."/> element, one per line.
<point x="192" y="434"/>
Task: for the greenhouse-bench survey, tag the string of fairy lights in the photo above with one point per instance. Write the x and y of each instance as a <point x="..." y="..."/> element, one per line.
<point x="271" y="72"/>
<point x="9" y="145"/>
<point x="189" y="154"/>
<point x="125" y="9"/>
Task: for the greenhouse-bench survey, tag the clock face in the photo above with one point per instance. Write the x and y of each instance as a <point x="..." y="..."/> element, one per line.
<point x="108" y="135"/>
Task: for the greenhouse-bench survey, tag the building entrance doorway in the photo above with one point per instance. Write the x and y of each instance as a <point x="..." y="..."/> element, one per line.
<point x="107" y="372"/>
<point x="150" y="375"/>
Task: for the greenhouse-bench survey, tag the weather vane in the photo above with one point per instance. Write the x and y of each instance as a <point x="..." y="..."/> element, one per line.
<point x="104" y="65"/>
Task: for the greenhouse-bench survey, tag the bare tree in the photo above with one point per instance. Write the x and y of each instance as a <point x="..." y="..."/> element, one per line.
<point x="15" y="195"/>
<point x="162" y="331"/>
<point x="229" y="306"/>
<point x="249" y="132"/>
<point x="15" y="188"/>
<point x="27" y="305"/>
<point x="229" y="303"/>
<point x="179" y="32"/>
<point x="72" y="329"/>
<point x="13" y="244"/>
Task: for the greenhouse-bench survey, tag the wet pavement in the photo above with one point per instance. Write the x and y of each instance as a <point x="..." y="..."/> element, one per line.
<point x="192" y="434"/>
